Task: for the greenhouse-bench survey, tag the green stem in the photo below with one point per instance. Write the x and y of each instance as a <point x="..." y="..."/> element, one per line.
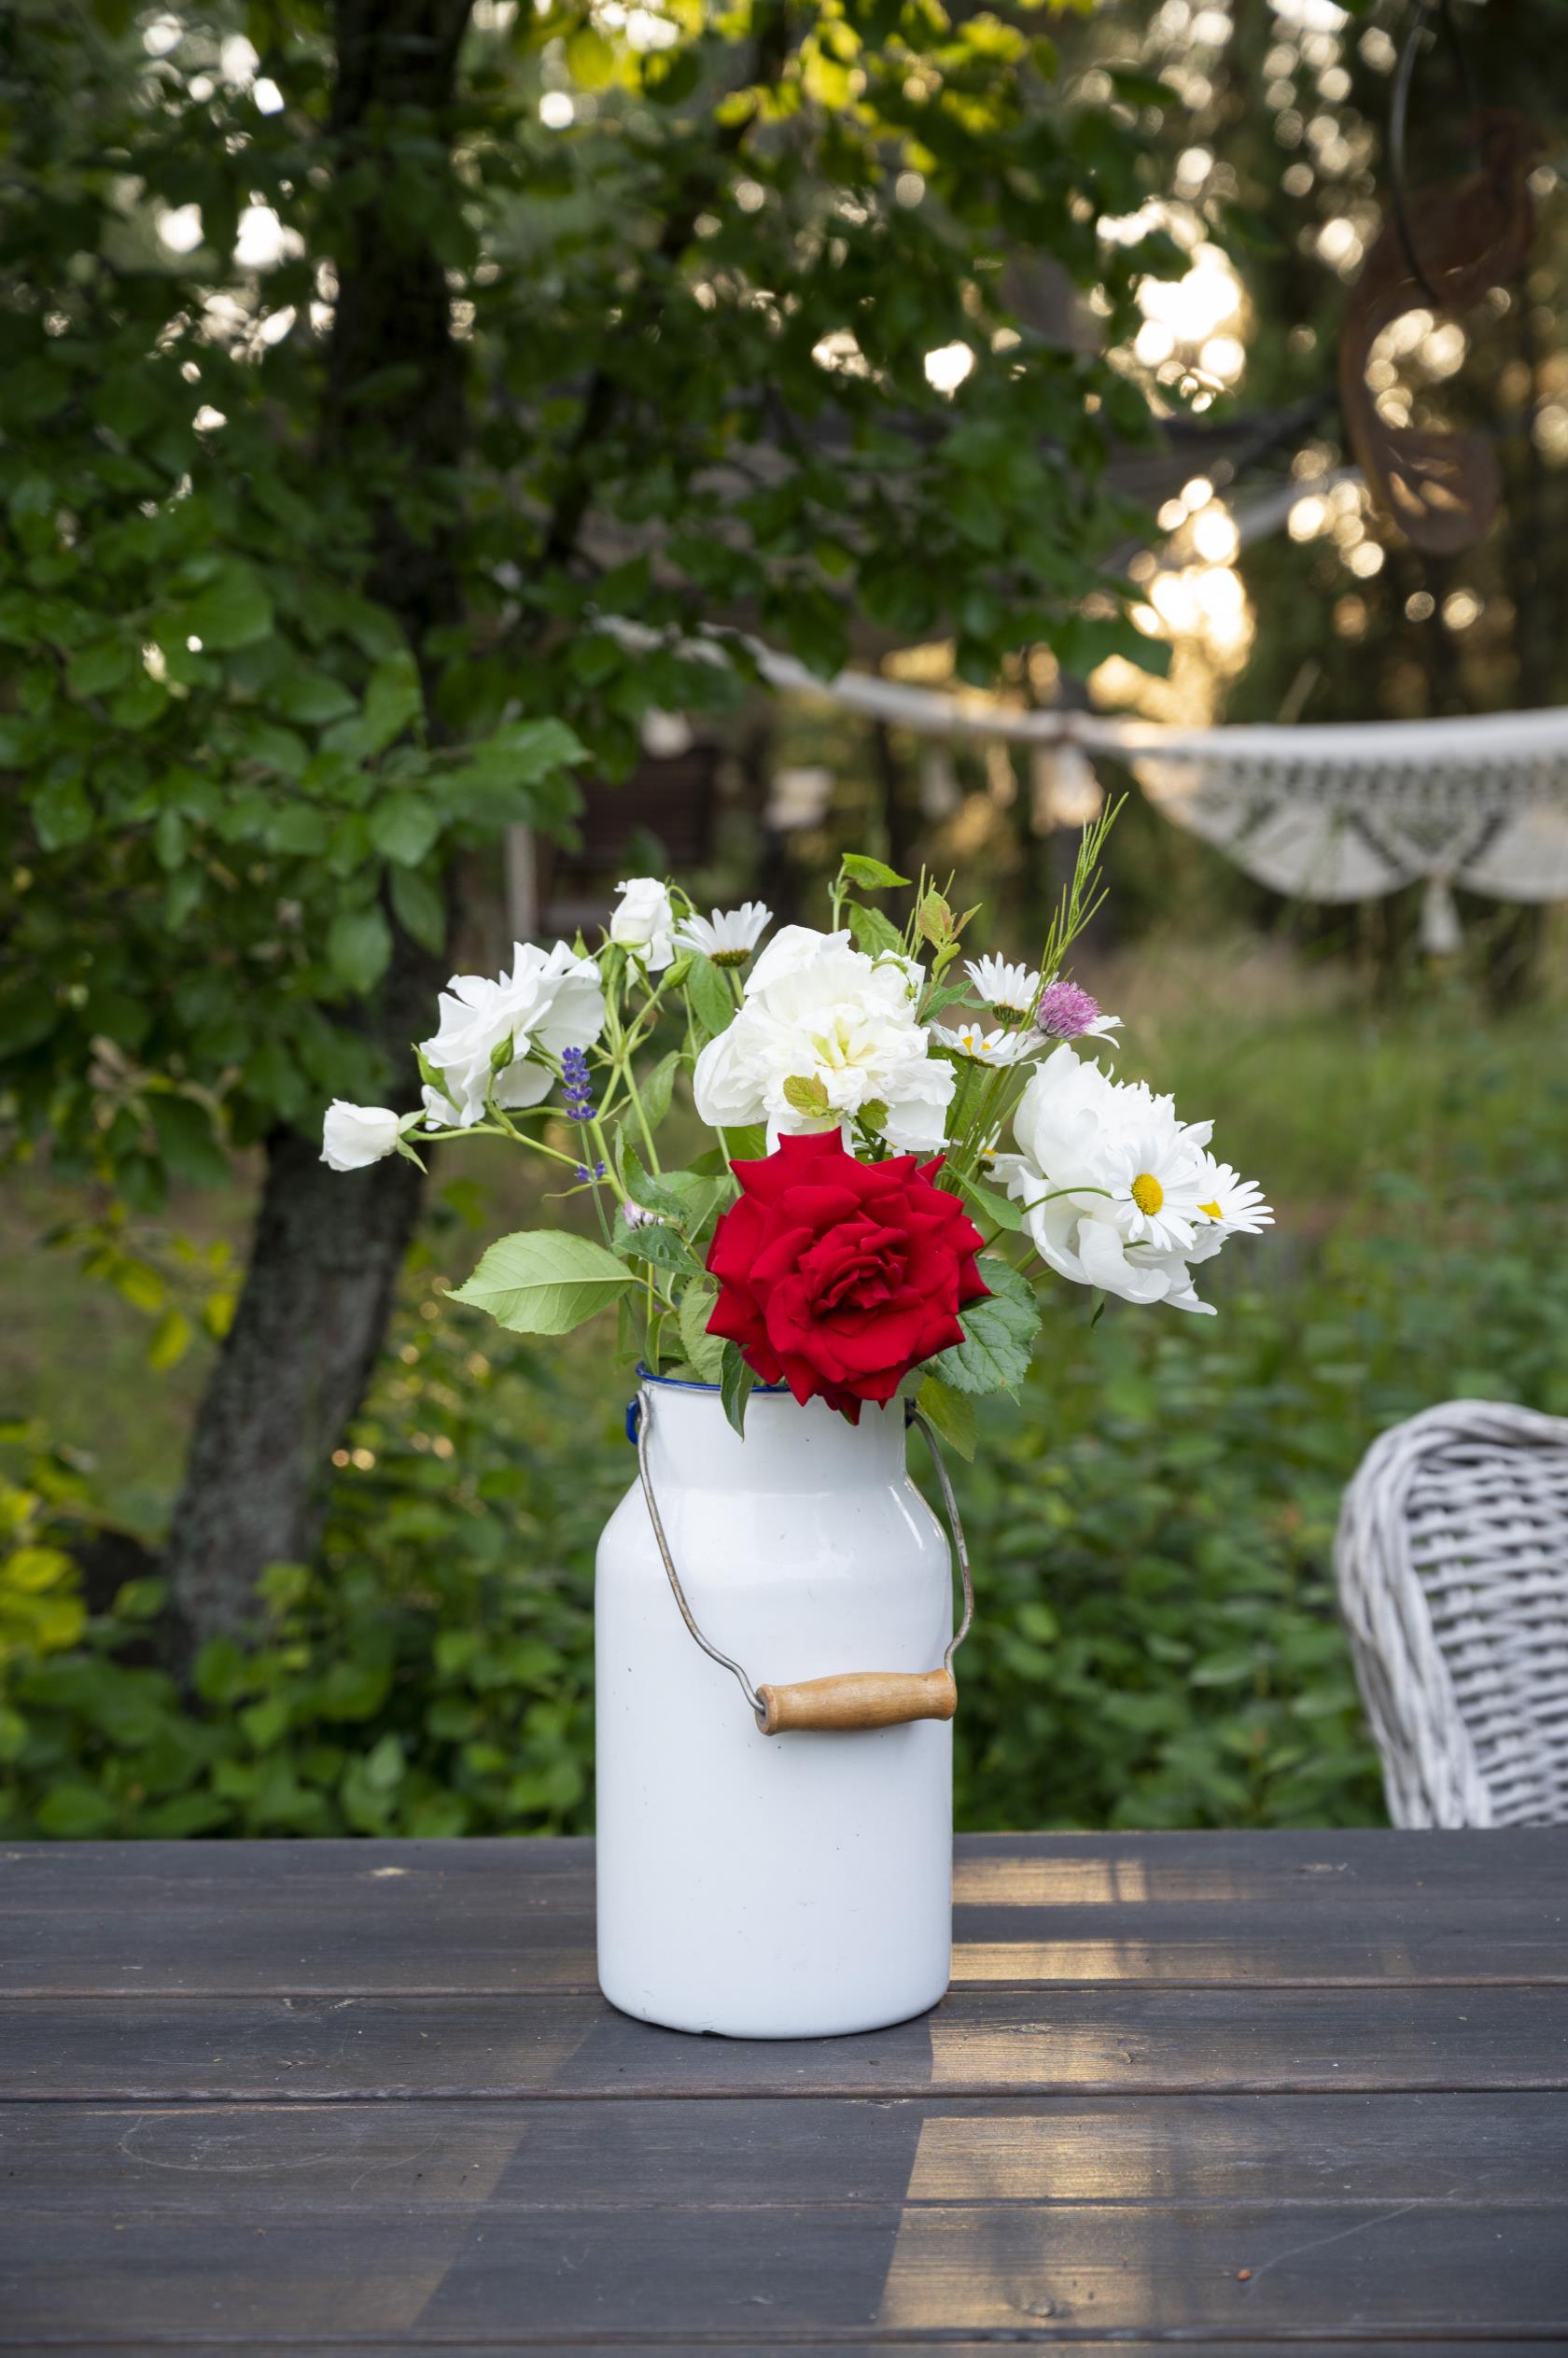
<point x="596" y="1126"/>
<point x="500" y="1127"/>
<point x="636" y="1096"/>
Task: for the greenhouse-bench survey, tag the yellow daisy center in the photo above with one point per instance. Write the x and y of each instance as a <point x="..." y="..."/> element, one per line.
<point x="1212" y="1210"/>
<point x="1147" y="1193"/>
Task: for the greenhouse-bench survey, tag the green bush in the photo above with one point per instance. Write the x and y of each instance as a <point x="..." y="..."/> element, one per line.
<point x="432" y="1674"/>
<point x="1156" y="1642"/>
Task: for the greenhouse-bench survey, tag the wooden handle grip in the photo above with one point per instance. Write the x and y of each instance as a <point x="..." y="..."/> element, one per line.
<point x="859" y="1698"/>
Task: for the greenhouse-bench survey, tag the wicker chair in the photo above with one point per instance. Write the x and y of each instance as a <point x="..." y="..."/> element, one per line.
<point x="1452" y="1560"/>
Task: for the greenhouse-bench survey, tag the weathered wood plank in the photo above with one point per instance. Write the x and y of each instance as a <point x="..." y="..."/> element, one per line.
<point x="796" y="2270"/>
<point x="500" y="2343"/>
<point x="1032" y="1870"/>
<point x="989" y="2040"/>
<point x="357" y="2160"/>
<point x="340" y="1918"/>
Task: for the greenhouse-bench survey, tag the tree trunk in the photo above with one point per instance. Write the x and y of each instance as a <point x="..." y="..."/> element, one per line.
<point x="328" y="1245"/>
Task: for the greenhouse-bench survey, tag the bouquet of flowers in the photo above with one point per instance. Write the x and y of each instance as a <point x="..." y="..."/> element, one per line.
<point x="906" y="1143"/>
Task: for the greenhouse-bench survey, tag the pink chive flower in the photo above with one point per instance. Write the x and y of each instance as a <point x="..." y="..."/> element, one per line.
<point x="1065" y="1011"/>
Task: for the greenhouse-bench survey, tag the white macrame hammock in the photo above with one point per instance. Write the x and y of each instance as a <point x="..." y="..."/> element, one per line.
<point x="1334" y="812"/>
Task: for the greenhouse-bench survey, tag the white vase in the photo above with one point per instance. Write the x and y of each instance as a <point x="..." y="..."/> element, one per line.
<point x="783" y="1887"/>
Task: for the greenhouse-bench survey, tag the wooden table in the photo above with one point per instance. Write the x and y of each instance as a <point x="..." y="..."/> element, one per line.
<point x="1235" y="2091"/>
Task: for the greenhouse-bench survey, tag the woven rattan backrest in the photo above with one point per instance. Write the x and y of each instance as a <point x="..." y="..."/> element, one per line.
<point x="1452" y="1559"/>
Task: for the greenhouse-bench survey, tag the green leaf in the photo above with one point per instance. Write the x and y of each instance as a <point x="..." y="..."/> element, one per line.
<point x="747" y="1143"/>
<point x="653" y="1195"/>
<point x="872" y="932"/>
<point x="61" y="813"/>
<point x="936" y="918"/>
<point x="1000" y="1208"/>
<point x="230" y="611"/>
<point x="942" y="997"/>
<point x="875" y="876"/>
<point x="419" y="908"/>
<point x="1141" y="89"/>
<point x="805" y="1093"/>
<point x="736" y="1381"/>
<point x="657" y="1090"/>
<point x="392" y="700"/>
<point x="544" y="1281"/>
<point x="704" y="1351"/>
<point x="999" y="1334"/>
<point x="313" y="697"/>
<point x="170" y="1340"/>
<point x="69" y="1812"/>
<point x="953" y="1414"/>
<point x="525" y="752"/>
<point x="589" y="59"/>
<point x="711" y="1001"/>
<point x="359" y="946"/>
<point x="97" y="668"/>
<point x="689" y="1197"/>
<point x="654" y="1241"/>
<point x="403" y="827"/>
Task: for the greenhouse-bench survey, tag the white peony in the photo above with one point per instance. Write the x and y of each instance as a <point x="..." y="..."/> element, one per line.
<point x="644" y="922"/>
<point x="816" y="1008"/>
<point x="1112" y="1181"/>
<point x="439" y="1113"/>
<point x="551" y="999"/>
<point x="355" y="1136"/>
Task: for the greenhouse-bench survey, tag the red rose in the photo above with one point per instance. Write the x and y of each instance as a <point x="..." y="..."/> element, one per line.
<point x="836" y="1277"/>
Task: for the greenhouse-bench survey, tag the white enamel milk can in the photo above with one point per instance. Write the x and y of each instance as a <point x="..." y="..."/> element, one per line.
<point x="774" y="1649"/>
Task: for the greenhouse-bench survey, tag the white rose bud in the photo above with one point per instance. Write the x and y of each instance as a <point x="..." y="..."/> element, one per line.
<point x="355" y="1136"/>
<point x="644" y="922"/>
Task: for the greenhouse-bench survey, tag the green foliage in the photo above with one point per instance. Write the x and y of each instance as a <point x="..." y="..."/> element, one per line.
<point x="230" y="775"/>
<point x="432" y="1674"/>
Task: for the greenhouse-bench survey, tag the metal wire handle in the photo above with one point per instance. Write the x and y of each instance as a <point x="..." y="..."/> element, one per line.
<point x="644" y="1430"/>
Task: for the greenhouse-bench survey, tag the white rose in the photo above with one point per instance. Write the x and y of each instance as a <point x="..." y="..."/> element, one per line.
<point x="816" y="1008"/>
<point x="1111" y="1180"/>
<point x="644" y="922"/>
<point x="355" y="1136"/>
<point x="551" y="999"/>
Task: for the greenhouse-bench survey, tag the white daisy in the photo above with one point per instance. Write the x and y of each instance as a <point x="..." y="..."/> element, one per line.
<point x="728" y="936"/>
<point x="992" y="1047"/>
<point x="1228" y="1205"/>
<point x="1011" y="989"/>
<point x="1154" y="1169"/>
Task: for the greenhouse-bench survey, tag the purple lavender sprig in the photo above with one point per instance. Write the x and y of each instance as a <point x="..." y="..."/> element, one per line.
<point x="579" y="1088"/>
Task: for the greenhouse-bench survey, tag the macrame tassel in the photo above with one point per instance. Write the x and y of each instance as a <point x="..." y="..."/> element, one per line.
<point x="1066" y="791"/>
<point x="1440" y="930"/>
<point x="940" y="792"/>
